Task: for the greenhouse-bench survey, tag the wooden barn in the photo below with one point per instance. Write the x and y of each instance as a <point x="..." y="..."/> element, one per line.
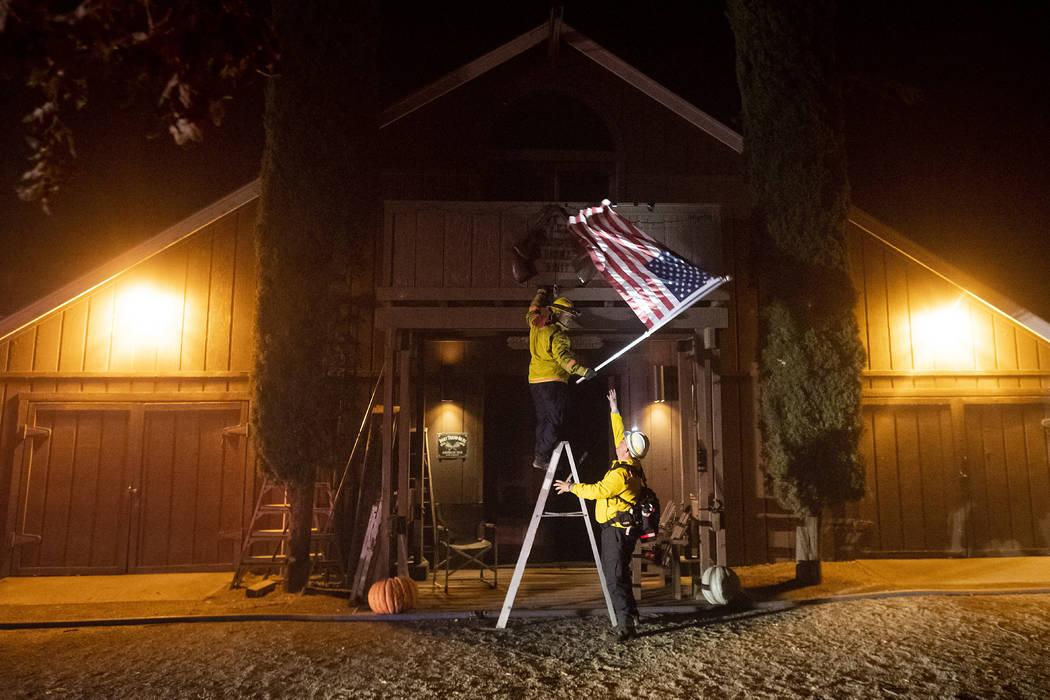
<point x="123" y="396"/>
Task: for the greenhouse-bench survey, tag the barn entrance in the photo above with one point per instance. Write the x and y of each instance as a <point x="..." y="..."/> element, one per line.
<point x="957" y="477"/>
<point x="126" y="486"/>
<point x="511" y="483"/>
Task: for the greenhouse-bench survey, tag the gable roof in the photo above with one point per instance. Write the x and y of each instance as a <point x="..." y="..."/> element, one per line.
<point x="86" y="283"/>
<point x="979" y="291"/>
<point x="515" y="47"/>
<point x="461" y="76"/>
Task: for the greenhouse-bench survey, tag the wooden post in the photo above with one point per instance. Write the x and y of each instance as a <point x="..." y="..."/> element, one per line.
<point x="717" y="461"/>
<point x="382" y="560"/>
<point x="704" y="479"/>
<point x="689" y="421"/>
<point x="404" y="459"/>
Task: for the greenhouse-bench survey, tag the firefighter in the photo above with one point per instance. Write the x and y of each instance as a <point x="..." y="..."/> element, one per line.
<point x="613" y="495"/>
<point x="552" y="363"/>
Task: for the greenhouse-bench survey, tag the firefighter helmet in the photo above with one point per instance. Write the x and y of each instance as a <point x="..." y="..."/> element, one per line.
<point x="564" y="305"/>
<point x="637" y="443"/>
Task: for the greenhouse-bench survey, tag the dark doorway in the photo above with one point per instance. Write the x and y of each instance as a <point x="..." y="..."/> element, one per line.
<point x="510" y="482"/>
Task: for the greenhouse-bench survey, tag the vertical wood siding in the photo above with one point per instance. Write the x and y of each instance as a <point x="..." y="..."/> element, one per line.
<point x="916" y="502"/>
<point x="208" y="284"/>
<point x="469" y="245"/>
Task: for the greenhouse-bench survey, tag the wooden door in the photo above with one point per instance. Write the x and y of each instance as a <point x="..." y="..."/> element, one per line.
<point x="1008" y="479"/>
<point x="111" y="487"/>
<point x="915" y="503"/>
<point x="193" y="488"/>
<point x="76" y="483"/>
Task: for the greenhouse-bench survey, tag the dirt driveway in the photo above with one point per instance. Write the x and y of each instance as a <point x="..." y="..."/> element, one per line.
<point x="916" y="647"/>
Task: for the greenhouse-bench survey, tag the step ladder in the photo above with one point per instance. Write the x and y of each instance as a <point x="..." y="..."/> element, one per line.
<point x="428" y="531"/>
<point x="265" y="547"/>
<point x="530" y="535"/>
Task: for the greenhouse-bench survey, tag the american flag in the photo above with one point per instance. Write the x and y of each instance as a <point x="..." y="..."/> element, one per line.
<point x="654" y="281"/>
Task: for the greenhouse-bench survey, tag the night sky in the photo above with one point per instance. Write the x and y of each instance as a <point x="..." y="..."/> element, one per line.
<point x="947" y="120"/>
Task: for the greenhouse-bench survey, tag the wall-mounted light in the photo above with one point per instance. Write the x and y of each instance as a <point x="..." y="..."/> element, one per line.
<point x="664" y="383"/>
<point x="146" y="315"/>
<point x="942" y="337"/>
<point x="450" y="352"/>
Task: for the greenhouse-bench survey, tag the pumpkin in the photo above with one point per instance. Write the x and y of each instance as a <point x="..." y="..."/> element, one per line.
<point x="720" y="585"/>
<point x="392" y="596"/>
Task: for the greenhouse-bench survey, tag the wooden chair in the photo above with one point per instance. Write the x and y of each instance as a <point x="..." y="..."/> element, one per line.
<point x="465" y="538"/>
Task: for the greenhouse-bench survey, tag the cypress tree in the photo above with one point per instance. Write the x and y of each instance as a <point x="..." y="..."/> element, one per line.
<point x="811" y="354"/>
<point x="316" y="225"/>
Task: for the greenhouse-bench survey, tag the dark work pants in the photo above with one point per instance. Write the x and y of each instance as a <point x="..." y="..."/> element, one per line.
<point x="617" y="548"/>
<point x="550" y="399"/>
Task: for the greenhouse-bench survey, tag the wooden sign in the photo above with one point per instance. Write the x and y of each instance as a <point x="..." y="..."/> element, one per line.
<point x="452" y="445"/>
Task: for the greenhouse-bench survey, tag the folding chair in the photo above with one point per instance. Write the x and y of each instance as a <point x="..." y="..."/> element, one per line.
<point x="465" y="538"/>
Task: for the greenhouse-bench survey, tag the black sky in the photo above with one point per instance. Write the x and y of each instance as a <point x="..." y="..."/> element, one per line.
<point x="947" y="120"/>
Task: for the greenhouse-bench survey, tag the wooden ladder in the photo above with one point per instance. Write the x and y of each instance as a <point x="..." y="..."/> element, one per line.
<point x="265" y="547"/>
<point x="538" y="514"/>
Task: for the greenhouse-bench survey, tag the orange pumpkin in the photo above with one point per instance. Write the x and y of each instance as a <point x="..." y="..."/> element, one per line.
<point x="394" y="595"/>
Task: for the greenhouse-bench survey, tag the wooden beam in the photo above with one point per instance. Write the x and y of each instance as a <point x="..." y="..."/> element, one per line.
<point x="480" y="295"/>
<point x="513" y="319"/>
<point x="994" y="395"/>
<point x="950" y="373"/>
<point x="176" y="398"/>
<point x="122" y="376"/>
<point x="463" y="75"/>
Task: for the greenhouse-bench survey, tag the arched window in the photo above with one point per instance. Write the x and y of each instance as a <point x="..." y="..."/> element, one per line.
<point x="550" y="146"/>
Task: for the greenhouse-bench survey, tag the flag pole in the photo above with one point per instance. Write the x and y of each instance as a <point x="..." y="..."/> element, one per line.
<point x="696" y="296"/>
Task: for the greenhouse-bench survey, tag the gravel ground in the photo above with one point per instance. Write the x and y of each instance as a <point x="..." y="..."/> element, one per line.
<point x="916" y="647"/>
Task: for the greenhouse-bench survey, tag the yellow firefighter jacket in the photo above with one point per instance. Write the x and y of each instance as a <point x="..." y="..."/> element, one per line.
<point x="619" y="483"/>
<point x="552" y="359"/>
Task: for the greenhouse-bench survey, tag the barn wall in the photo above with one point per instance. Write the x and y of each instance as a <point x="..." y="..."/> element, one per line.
<point x="193" y="339"/>
<point x="469" y="245"/>
<point x="897" y="315"/>
<point x="931" y="414"/>
<point x="955" y="395"/>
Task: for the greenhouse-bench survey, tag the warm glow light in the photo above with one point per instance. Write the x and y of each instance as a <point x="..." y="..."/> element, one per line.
<point x="450" y="352"/>
<point x="658" y="419"/>
<point x="146" y="315"/>
<point x="942" y="337"/>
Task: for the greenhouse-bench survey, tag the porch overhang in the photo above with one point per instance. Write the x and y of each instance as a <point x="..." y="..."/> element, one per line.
<point x="495" y="318"/>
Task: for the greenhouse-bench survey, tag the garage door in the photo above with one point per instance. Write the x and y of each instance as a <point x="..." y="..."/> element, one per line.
<point x="915" y="502"/>
<point x="1008" y="479"/>
<point x="115" y="487"/>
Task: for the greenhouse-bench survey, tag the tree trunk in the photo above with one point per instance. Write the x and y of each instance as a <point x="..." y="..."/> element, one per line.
<point x="301" y="500"/>
<point x="807" y="551"/>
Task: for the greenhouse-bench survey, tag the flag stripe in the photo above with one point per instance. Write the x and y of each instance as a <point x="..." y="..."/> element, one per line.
<point x="627" y="278"/>
<point x="632" y="259"/>
<point x="611" y="271"/>
<point x="627" y="282"/>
